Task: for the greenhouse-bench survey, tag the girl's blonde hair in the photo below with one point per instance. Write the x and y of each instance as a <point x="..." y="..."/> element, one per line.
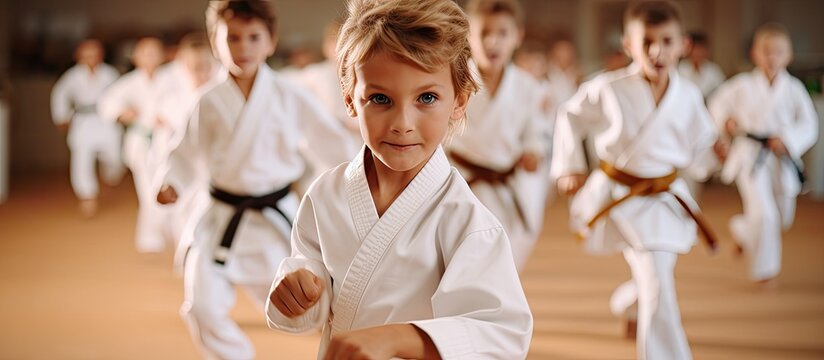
<point x="426" y="33"/>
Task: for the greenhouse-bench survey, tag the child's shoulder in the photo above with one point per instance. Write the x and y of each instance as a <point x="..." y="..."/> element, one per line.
<point x="462" y="208"/>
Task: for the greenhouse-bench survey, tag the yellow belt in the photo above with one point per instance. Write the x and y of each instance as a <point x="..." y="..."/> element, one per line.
<point x="649" y="186"/>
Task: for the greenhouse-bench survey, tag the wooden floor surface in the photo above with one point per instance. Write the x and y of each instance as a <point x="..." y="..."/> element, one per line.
<point x="76" y="289"/>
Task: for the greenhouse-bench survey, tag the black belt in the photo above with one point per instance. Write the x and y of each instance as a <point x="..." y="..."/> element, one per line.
<point x="765" y="150"/>
<point x="85" y="109"/>
<point x="242" y="203"/>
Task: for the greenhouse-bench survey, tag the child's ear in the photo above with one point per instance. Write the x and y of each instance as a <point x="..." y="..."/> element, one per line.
<point x="274" y="45"/>
<point x="350" y="106"/>
<point x="626" y="45"/>
<point x="459" y="110"/>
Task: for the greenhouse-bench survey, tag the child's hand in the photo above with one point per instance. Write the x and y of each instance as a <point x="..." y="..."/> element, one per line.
<point x="64" y="126"/>
<point x="160" y="122"/>
<point x="297" y="293"/>
<point x="731" y="127"/>
<point x="777" y="146"/>
<point x="570" y="184"/>
<point x="167" y="195"/>
<point x="529" y="162"/>
<point x="381" y="343"/>
<point x="721" y="149"/>
<point x="128" y="116"/>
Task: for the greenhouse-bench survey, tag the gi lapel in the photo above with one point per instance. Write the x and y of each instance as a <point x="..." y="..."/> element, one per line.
<point x="653" y="120"/>
<point x="254" y="113"/>
<point x="380" y="237"/>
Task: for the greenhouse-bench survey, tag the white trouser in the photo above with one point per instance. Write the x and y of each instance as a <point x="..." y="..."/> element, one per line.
<point x="148" y="233"/>
<point x="91" y="139"/>
<point x="260" y="244"/>
<point x="660" y="333"/>
<point x="766" y="213"/>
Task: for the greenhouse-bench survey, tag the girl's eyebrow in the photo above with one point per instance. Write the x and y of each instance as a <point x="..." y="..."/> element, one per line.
<point x="423" y="87"/>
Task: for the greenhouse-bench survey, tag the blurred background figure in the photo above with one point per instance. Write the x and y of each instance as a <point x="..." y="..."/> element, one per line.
<point x="562" y="70"/>
<point x="697" y="66"/>
<point x="132" y="101"/>
<point x="322" y="81"/>
<point x="532" y="58"/>
<point x="200" y="71"/>
<point x="74" y="110"/>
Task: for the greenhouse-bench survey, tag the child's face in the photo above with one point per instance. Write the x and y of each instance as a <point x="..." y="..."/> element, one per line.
<point x="242" y="45"/>
<point x="148" y="54"/>
<point x="199" y="64"/>
<point x="699" y="53"/>
<point x="89" y="53"/>
<point x="493" y="38"/>
<point x="404" y="112"/>
<point x="656" y="48"/>
<point x="771" y="53"/>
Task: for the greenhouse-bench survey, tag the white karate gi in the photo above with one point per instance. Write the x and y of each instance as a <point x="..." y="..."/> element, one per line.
<point x="250" y="148"/>
<point x="498" y="131"/>
<point x="74" y="98"/>
<point x="618" y="111"/>
<point x="437" y="259"/>
<point x="768" y="191"/>
<point x="562" y="84"/>
<point x="139" y="91"/>
<point x="707" y="78"/>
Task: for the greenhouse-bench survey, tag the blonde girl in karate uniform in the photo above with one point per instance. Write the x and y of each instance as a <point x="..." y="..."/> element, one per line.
<point x="394" y="243"/>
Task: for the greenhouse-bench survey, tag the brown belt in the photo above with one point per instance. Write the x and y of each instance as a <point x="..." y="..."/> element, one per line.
<point x="481" y="173"/>
<point x="649" y="186"/>
<point x="492" y="177"/>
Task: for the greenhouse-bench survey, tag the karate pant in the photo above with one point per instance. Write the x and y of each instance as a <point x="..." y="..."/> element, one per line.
<point x="90" y="140"/>
<point x="652" y="289"/>
<point x="767" y="212"/>
<point x="149" y="236"/>
<point x="260" y="244"/>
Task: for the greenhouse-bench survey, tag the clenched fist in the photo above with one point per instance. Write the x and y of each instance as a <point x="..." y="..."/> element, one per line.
<point x="297" y="293"/>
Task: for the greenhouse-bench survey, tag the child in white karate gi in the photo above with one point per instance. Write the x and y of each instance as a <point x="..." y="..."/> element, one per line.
<point x="247" y="129"/>
<point x="132" y="101"/>
<point x="394" y="243"/>
<point x="771" y="121"/>
<point x="501" y="153"/>
<point x="646" y="123"/>
<point x="74" y="110"/>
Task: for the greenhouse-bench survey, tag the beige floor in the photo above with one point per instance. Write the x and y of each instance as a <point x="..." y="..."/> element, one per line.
<point x="76" y="289"/>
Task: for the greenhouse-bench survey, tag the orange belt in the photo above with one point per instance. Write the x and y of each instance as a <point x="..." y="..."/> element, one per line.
<point x="649" y="186"/>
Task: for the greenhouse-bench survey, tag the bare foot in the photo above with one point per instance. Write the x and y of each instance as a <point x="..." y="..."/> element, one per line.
<point x="88" y="207"/>
<point x="767" y="285"/>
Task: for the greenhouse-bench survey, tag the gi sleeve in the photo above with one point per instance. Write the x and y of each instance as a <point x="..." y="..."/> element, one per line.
<point x="306" y="254"/>
<point x="479" y="307"/>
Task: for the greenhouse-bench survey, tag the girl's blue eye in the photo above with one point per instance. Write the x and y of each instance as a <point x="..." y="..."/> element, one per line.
<point x="379" y="99"/>
<point x="428" y="98"/>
